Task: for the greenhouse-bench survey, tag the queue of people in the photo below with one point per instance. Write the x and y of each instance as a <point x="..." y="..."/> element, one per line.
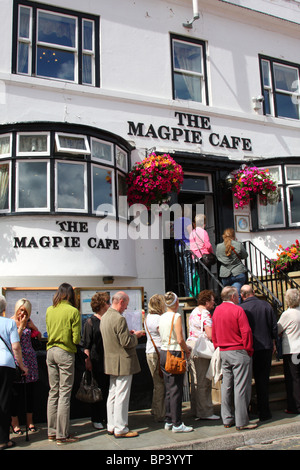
<point x="244" y="335"/>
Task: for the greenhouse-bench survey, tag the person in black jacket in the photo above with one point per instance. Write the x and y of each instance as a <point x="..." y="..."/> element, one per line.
<point x="263" y="324"/>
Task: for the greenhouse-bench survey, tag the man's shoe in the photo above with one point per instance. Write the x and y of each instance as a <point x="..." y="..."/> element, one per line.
<point x="168" y="426"/>
<point x="245" y="428"/>
<point x="98" y="425"/>
<point x="182" y="428"/>
<point x="128" y="434"/>
<point x="67" y="440"/>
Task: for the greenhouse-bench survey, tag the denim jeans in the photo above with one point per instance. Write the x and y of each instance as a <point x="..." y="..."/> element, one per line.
<point x="235" y="281"/>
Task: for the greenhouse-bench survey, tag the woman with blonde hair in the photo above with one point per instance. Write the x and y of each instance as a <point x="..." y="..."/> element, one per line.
<point x="289" y="328"/>
<point x="173" y="382"/>
<point x="230" y="254"/>
<point x="156" y="308"/>
<point x="25" y="327"/>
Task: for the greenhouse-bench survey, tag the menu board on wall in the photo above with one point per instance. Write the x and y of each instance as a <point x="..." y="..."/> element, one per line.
<point x="133" y="313"/>
<point x="40" y="300"/>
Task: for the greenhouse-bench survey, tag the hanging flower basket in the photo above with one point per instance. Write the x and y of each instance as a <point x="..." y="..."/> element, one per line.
<point x="251" y="181"/>
<point x="152" y="180"/>
<point x="288" y="259"/>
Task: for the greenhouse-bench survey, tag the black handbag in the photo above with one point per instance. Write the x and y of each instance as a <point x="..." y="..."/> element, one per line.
<point x="209" y="259"/>
<point x="88" y="391"/>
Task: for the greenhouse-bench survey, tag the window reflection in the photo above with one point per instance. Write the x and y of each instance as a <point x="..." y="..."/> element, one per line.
<point x="71" y="186"/>
<point x="32" y="185"/>
<point x="102" y="187"/>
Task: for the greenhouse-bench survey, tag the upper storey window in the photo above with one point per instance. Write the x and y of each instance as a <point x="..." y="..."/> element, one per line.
<point x="189" y="69"/>
<point x="56" y="44"/>
<point x="280" y="87"/>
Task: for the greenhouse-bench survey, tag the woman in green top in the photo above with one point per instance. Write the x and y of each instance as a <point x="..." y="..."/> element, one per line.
<point x="63" y="329"/>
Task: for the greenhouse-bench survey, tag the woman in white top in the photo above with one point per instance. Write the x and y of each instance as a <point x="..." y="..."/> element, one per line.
<point x="289" y="327"/>
<point x="173" y="382"/>
<point x="201" y="401"/>
<point x="156" y="307"/>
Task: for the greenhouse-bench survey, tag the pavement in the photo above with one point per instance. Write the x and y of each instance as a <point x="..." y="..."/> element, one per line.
<point x="160" y="443"/>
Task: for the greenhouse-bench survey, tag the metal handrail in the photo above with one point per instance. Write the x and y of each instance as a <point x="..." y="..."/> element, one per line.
<point x="270" y="284"/>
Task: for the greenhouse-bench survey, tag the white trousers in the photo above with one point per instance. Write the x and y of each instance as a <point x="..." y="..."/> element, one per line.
<point x="118" y="403"/>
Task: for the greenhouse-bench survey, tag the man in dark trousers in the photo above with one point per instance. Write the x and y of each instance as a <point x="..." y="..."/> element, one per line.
<point x="263" y="324"/>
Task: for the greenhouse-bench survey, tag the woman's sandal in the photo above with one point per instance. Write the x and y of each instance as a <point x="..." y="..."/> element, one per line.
<point x="17" y="430"/>
<point x="32" y="428"/>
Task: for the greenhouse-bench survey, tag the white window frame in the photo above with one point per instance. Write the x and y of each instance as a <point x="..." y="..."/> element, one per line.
<point x="113" y="205"/>
<point x="58" y="46"/>
<point x="33" y="153"/>
<point x="98" y="159"/>
<point x="182" y="71"/>
<point x="24" y="40"/>
<point x="5" y="211"/>
<point x="67" y="209"/>
<point x="260" y="226"/>
<point x="60" y="149"/>
<point x="5" y="155"/>
<point x="88" y="52"/>
<point x="32" y="209"/>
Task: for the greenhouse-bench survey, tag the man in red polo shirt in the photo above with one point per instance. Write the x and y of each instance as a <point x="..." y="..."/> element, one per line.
<point x="231" y="333"/>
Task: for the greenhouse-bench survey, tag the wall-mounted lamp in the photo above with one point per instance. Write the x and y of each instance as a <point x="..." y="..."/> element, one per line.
<point x="229" y="180"/>
<point x="108" y="279"/>
<point x="189" y="24"/>
<point x="257" y="102"/>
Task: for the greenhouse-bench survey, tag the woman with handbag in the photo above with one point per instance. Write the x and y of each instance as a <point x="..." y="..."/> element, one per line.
<point x="230" y="254"/>
<point x="156" y="308"/>
<point x="92" y="344"/>
<point x="9" y="348"/>
<point x="199" y="242"/>
<point x="171" y="333"/>
<point x="200" y="325"/>
<point x="22" y="397"/>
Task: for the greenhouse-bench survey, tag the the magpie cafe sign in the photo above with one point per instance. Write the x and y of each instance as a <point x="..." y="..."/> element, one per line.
<point x="69" y="236"/>
<point x="189" y="129"/>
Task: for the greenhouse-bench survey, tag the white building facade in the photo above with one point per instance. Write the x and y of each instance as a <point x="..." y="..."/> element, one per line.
<point x="88" y="89"/>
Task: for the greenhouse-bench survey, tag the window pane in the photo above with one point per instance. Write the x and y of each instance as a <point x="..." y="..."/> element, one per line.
<point x="56" y="29"/>
<point x="4" y="186"/>
<point x="195" y="183"/>
<point x="286" y="78"/>
<point x="23" y="60"/>
<point x="286" y="107"/>
<point x="187" y="87"/>
<point x="102" y="187"/>
<point x="55" y="63"/>
<point x="33" y="143"/>
<point x="70" y="186"/>
<point x="87" y="69"/>
<point x="122" y="200"/>
<point x="5" y="145"/>
<point x="293" y="173"/>
<point x="271" y="214"/>
<point x="24" y="23"/>
<point x="121" y="158"/>
<point x="32" y="185"/>
<point x="101" y="150"/>
<point x="266" y="73"/>
<point x="187" y="57"/>
<point x="294" y="198"/>
<point x="88" y="28"/>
